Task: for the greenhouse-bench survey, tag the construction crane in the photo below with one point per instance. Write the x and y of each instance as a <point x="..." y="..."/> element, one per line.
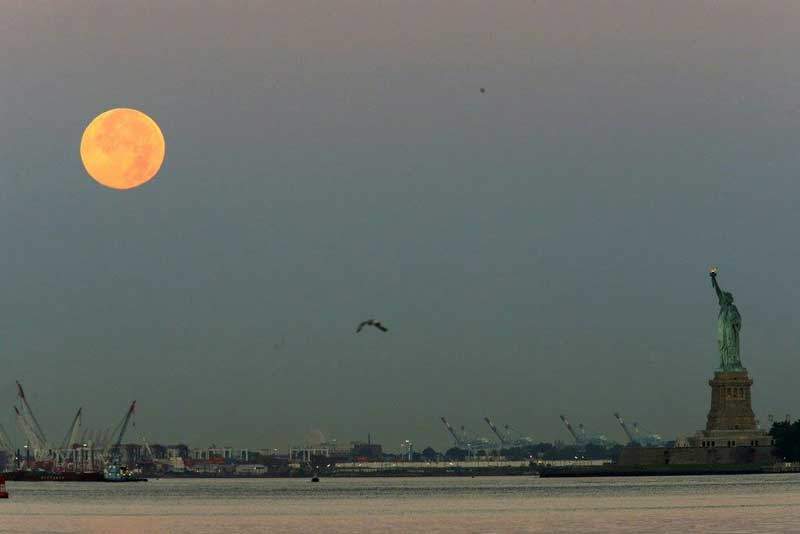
<point x="67" y="452"/>
<point x="459" y="441"/>
<point x="582" y="438"/>
<point x="123" y="426"/>
<point x="147" y="449"/>
<point x="582" y="434"/>
<point x="509" y="437"/>
<point x="647" y="439"/>
<point x="516" y="438"/>
<point x="631" y="439"/>
<point x="503" y="439"/>
<point x="592" y="438"/>
<point x="571" y="430"/>
<point x="5" y="441"/>
<point x="31" y="422"/>
<point x="463" y="440"/>
<point x="71" y="438"/>
<point x="30" y="436"/>
<point x="477" y="443"/>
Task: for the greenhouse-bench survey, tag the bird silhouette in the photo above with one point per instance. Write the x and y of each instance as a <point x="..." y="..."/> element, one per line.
<point x="371" y="322"/>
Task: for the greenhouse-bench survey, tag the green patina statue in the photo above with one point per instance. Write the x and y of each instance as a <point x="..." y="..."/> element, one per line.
<point x="729" y="325"/>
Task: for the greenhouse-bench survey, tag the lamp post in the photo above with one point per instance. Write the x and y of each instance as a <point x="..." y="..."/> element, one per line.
<point x="409" y="446"/>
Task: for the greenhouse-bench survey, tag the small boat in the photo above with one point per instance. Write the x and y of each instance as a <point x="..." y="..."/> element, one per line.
<point x="116" y="473"/>
<point x="3" y="492"/>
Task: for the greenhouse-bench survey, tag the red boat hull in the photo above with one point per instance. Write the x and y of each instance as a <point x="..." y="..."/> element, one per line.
<point x="48" y="476"/>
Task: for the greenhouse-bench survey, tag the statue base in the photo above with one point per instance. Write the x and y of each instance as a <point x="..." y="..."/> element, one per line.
<point x="731" y="407"/>
<point x="731" y="437"/>
<point x="732" y="434"/>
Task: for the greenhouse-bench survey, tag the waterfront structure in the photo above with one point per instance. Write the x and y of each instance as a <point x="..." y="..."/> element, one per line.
<point x="225" y="453"/>
<point x="732" y="434"/>
<point x="367" y="451"/>
<point x="328" y="450"/>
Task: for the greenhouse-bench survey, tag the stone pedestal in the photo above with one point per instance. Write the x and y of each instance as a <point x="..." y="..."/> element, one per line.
<point x="731" y="437"/>
<point x="731" y="407"/>
<point x="731" y="422"/>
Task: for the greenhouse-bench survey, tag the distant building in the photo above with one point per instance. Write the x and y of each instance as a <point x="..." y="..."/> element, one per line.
<point x="228" y="454"/>
<point x="369" y="452"/>
<point x="307" y="453"/>
<point x="682" y="442"/>
<point x="166" y="452"/>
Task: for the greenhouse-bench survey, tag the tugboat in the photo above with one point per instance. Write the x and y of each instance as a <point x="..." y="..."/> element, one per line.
<point x="113" y="472"/>
<point x="3" y="492"/>
<point x="117" y="473"/>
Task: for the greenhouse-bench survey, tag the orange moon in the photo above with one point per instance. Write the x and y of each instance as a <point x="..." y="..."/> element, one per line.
<point x="122" y="148"/>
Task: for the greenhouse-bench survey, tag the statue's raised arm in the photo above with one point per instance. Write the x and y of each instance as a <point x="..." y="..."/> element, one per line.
<point x="715" y="285"/>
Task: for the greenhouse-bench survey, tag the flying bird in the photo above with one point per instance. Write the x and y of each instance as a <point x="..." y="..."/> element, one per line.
<point x="371" y="322"/>
<point x="483" y="89"/>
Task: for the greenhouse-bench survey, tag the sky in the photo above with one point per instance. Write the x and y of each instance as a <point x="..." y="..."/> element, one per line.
<point x="538" y="249"/>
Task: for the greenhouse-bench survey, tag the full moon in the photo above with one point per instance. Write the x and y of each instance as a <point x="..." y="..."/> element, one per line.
<point x="122" y="148"/>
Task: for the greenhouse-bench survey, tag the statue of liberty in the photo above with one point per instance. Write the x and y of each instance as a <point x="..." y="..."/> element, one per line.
<point x="729" y="325"/>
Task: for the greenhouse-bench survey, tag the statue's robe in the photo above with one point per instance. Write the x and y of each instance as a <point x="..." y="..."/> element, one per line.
<point x="728" y="328"/>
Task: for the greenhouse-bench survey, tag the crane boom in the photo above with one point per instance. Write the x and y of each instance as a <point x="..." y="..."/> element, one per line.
<point x="33" y="423"/>
<point x="71" y="438"/>
<point x="5" y="441"/>
<point x="624" y="427"/>
<point x="501" y="437"/>
<point x="24" y="426"/>
<point x="570" y="429"/>
<point x="457" y="439"/>
<point x="645" y="438"/>
<point x="122" y="428"/>
<point x="147" y="449"/>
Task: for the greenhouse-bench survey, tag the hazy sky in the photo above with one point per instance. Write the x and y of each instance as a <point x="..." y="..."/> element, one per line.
<point x="538" y="249"/>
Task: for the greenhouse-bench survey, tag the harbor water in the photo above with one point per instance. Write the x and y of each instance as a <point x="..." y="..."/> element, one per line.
<point x="749" y="503"/>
